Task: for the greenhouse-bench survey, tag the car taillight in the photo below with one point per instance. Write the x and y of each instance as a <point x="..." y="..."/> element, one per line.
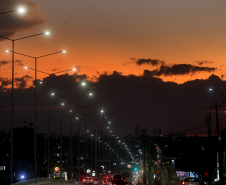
<point x="91" y="179"/>
<point x="183" y="182"/>
<point x="83" y="180"/>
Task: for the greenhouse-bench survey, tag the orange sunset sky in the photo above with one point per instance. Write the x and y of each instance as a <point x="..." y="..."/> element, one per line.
<point x="105" y="36"/>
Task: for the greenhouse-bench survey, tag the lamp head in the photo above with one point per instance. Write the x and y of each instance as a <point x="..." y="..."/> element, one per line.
<point x="83" y="83"/>
<point x="73" y="69"/>
<point x="7" y="51"/>
<point x="64" y="51"/>
<point x="210" y="89"/>
<point x="46" y="33"/>
<point x="52" y="94"/>
<point x="91" y="94"/>
<point x="26" y="67"/>
<point x="21" y="10"/>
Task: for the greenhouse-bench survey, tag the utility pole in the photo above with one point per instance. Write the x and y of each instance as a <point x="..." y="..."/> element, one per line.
<point x="208" y="122"/>
<point x="220" y="158"/>
<point x="144" y="155"/>
<point x="96" y="153"/>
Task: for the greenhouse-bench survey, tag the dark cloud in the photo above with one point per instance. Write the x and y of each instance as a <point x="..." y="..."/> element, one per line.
<point x="178" y="69"/>
<point x="203" y="62"/>
<point x="126" y="100"/>
<point x="3" y="62"/>
<point x="22" y="82"/>
<point x="19" y="63"/>
<point x="13" y="22"/>
<point x="54" y="70"/>
<point x="153" y="62"/>
<point x="5" y="82"/>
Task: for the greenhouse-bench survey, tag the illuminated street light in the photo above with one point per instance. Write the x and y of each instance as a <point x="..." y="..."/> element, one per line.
<point x="12" y="121"/>
<point x="21" y="10"/>
<point x="35" y="128"/>
<point x="220" y="159"/>
<point x="62" y="88"/>
<point x="218" y="92"/>
<point x="48" y="155"/>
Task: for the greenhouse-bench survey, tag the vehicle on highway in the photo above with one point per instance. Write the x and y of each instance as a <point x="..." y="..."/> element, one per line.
<point x="117" y="179"/>
<point x="104" y="182"/>
<point x="96" y="181"/>
<point x="124" y="180"/>
<point x="191" y="181"/>
<point x="87" y="180"/>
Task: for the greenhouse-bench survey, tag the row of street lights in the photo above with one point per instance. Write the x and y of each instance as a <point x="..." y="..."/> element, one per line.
<point x="22" y="10"/>
<point x="12" y="113"/>
<point x="62" y="104"/>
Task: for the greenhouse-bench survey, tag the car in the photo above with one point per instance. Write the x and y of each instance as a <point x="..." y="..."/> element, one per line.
<point x="104" y="182"/>
<point x="87" y="180"/>
<point x="117" y="179"/>
<point x="191" y="181"/>
<point x="124" y="180"/>
<point x="96" y="181"/>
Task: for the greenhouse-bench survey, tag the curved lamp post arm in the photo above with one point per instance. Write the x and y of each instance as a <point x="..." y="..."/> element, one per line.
<point x="218" y="92"/>
<point x="20" y="10"/>
<point x="51" y="54"/>
<point x="20" y="54"/>
<point x="46" y="33"/>
<point x="48" y="73"/>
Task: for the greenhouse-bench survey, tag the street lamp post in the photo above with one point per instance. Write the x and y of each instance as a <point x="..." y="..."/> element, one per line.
<point x="90" y="94"/>
<point x="221" y="160"/>
<point x="61" y="153"/>
<point x="35" y="125"/>
<point x="48" y="129"/>
<point x="12" y="121"/>
<point x="95" y="140"/>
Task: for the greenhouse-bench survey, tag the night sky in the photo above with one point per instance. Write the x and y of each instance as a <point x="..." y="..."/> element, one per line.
<point x="147" y="62"/>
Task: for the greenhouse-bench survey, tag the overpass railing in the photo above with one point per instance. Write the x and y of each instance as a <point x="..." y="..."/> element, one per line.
<point x="45" y="181"/>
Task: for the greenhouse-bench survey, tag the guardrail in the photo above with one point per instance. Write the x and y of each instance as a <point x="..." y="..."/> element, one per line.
<point x="44" y="181"/>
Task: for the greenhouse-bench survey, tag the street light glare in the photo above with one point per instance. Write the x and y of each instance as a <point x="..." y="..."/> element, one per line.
<point x="46" y="33"/>
<point x="25" y="67"/>
<point x="7" y="51"/>
<point x="210" y="89"/>
<point x="83" y="83"/>
<point x="73" y="69"/>
<point x="21" y="10"/>
<point x="102" y="111"/>
<point x="64" y="51"/>
<point x="91" y="94"/>
<point x="52" y="94"/>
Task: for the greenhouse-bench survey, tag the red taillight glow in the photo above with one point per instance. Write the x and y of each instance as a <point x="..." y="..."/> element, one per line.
<point x="183" y="183"/>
